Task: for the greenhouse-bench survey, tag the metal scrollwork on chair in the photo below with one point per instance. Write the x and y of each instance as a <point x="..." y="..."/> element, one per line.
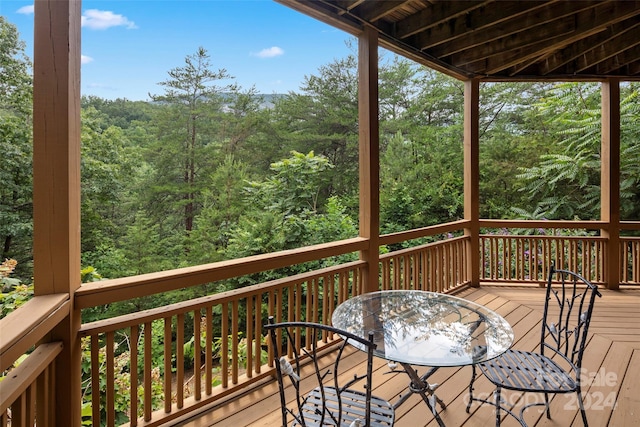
<point x="556" y="368"/>
<point x="320" y="393"/>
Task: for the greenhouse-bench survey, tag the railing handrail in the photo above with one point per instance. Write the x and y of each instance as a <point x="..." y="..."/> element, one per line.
<point x="526" y="223"/>
<point x="402" y="236"/>
<point x="127" y="320"/>
<point x="25" y="375"/>
<point x="109" y="291"/>
<point x="544" y="236"/>
<point x="23" y="328"/>
<point x="417" y="248"/>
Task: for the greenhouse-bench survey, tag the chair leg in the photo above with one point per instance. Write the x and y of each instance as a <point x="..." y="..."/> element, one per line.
<point x="473" y="378"/>
<point x="546" y="405"/>
<point x="497" y="393"/>
<point x="582" y="411"/>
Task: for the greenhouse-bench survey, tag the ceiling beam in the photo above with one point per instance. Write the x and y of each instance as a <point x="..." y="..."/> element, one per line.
<point x="558" y="59"/>
<point x="467" y="30"/>
<point x="436" y="14"/>
<point x="566" y="31"/>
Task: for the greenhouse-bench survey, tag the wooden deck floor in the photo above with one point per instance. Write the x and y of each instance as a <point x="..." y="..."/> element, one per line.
<point x="612" y="361"/>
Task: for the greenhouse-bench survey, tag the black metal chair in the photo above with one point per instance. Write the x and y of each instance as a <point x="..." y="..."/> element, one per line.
<point x="320" y="393"/>
<point x="557" y="367"/>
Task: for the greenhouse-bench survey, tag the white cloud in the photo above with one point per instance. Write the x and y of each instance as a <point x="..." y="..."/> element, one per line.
<point x="25" y="10"/>
<point x="103" y="19"/>
<point x="270" y="52"/>
<point x="84" y="59"/>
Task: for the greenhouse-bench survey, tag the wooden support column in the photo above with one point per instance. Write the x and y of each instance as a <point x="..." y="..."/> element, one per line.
<point x="369" y="154"/>
<point x="56" y="184"/>
<point x="472" y="177"/>
<point x="610" y="179"/>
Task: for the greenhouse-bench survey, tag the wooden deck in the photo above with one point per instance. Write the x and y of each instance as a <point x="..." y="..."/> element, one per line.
<point x="612" y="362"/>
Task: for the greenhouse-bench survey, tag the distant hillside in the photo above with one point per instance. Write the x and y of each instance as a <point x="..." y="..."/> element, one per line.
<point x="270" y="99"/>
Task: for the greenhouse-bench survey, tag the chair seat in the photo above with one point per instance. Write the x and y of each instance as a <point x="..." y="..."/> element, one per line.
<point x="353" y="407"/>
<point x="528" y="371"/>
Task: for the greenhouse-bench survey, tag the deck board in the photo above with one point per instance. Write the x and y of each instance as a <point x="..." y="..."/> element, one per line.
<point x="612" y="361"/>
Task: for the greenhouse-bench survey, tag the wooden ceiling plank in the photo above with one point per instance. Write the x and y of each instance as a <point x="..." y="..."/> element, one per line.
<point x="618" y="61"/>
<point x="633" y="69"/>
<point x="514" y="46"/>
<point x="499" y="62"/>
<point x="422" y="58"/>
<point x="558" y="59"/>
<point x="519" y="25"/>
<point x="467" y="39"/>
<point x="328" y="12"/>
<point x="373" y="11"/>
<point x="585" y="24"/>
<point x="599" y="47"/>
<point x="437" y="14"/>
<point x="601" y="53"/>
<point x="345" y="6"/>
<point x="467" y="28"/>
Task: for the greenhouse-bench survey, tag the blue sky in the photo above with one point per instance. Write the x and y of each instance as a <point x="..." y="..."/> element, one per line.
<point x="128" y="46"/>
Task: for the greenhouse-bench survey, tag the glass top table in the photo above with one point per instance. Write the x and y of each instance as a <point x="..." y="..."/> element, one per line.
<point x="425" y="329"/>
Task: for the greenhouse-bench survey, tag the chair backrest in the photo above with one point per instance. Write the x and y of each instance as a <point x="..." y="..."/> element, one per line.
<point x="297" y="355"/>
<point x="567" y="314"/>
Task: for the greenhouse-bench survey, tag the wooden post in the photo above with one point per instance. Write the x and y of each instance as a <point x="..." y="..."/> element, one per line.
<point x="472" y="177"/>
<point x="56" y="184"/>
<point x="369" y="154"/>
<point x="610" y="179"/>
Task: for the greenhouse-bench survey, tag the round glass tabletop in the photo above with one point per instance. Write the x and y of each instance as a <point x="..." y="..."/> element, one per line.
<point x="425" y="328"/>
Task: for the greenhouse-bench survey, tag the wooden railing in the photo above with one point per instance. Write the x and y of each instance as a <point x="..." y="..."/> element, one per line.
<point x="162" y="365"/>
<point x="226" y="328"/>
<point x="209" y="348"/>
<point x="26" y="392"/>
<point x="436" y="267"/>
<point x="522" y="251"/>
<point x="630" y="260"/>
<point x="527" y="258"/>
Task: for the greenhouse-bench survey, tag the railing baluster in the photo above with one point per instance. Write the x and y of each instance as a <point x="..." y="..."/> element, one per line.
<point x="180" y="361"/>
<point x="208" y="364"/>
<point x="110" y="361"/>
<point x="197" y="351"/>
<point x="18" y="411"/>
<point x="167" y="364"/>
<point x="250" y="337"/>
<point x="148" y="404"/>
<point x="235" y="362"/>
<point x="258" y="333"/>
<point x="95" y="382"/>
<point x="133" y="369"/>
<point x="45" y="398"/>
<point x="224" y="347"/>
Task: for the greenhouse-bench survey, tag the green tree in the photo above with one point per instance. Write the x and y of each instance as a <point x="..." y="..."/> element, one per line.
<point x="285" y="214"/>
<point x="16" y="195"/>
<point x="421" y="171"/>
<point x="512" y="136"/>
<point x="323" y="118"/>
<point x="186" y="145"/>
<point x="565" y="184"/>
<point x="222" y="208"/>
<point x="109" y="169"/>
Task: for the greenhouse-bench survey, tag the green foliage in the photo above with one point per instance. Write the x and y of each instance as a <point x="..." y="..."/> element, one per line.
<point x="16" y="224"/>
<point x="122" y="383"/>
<point x="14" y="298"/>
<point x="13" y="293"/>
<point x="566" y="183"/>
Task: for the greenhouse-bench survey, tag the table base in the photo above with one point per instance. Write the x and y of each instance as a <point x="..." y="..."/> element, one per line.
<point x="420" y="385"/>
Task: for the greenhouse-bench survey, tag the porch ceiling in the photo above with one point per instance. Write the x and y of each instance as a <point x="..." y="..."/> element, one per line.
<point x="499" y="40"/>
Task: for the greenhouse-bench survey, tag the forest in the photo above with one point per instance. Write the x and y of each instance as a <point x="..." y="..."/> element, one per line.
<point x="207" y="170"/>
